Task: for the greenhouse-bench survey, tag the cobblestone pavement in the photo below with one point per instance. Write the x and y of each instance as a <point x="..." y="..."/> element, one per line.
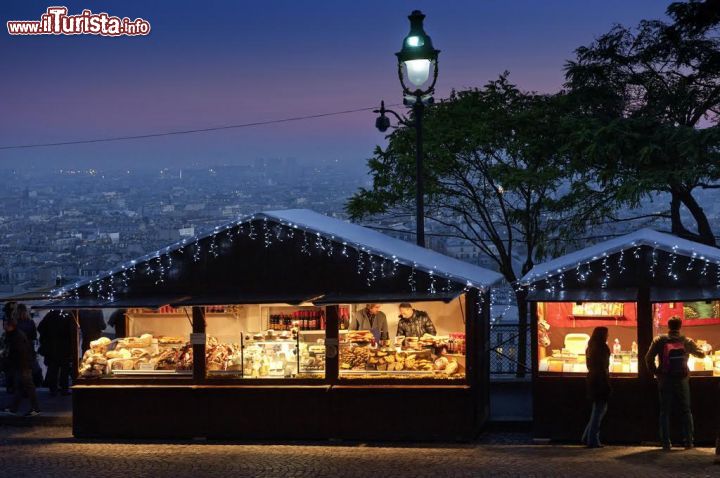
<point x="51" y="451"/>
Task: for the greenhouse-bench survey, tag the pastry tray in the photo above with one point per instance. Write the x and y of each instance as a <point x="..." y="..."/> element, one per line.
<point x="151" y="372"/>
<point x="385" y="372"/>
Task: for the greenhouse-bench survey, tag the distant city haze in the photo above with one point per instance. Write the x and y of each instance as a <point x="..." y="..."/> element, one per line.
<point x="214" y="63"/>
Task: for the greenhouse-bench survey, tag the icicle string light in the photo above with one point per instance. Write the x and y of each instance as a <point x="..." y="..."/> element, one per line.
<point x="158" y="264"/>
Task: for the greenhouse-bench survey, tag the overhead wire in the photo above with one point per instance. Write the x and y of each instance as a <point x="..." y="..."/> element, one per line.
<point x="186" y="131"/>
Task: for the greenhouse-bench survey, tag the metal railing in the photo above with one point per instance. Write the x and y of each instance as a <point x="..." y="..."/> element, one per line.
<point x="503" y="349"/>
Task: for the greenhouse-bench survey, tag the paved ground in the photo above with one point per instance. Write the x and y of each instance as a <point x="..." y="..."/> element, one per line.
<point x="51" y="451"/>
<point x="55" y="410"/>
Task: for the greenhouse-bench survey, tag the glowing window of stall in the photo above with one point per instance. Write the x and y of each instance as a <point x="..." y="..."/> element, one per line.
<point x="701" y="322"/>
<point x="564" y="329"/>
<point x="265" y="341"/>
<point x="391" y="341"/>
<point x="156" y="344"/>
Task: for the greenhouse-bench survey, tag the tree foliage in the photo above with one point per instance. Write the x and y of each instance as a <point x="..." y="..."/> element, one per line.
<point x="648" y="102"/>
<point x="494" y="170"/>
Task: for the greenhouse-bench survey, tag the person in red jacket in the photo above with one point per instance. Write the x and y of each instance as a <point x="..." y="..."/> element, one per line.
<point x="672" y="377"/>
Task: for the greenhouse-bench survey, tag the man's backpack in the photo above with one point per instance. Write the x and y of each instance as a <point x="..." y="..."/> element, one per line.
<point x="674" y="359"/>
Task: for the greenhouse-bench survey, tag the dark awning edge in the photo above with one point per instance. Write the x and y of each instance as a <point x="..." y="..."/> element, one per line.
<point x="384" y="298"/>
<point x="86" y="303"/>
<point x="629" y="294"/>
<point x="680" y="294"/>
<point x="236" y="299"/>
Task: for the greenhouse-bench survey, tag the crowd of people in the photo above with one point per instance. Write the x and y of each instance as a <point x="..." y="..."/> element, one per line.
<point x="23" y="345"/>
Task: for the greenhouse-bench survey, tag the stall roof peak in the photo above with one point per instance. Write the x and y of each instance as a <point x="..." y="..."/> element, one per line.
<point x="378" y="243"/>
<point x="352" y="236"/>
<point x="642" y="237"/>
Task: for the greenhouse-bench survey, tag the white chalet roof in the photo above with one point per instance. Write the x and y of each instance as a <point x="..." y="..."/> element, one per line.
<point x="641" y="237"/>
<point x="375" y="242"/>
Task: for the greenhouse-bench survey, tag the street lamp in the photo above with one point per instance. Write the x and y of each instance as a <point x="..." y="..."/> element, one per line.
<point x="416" y="59"/>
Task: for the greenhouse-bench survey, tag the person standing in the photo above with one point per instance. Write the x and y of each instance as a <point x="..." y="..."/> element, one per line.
<point x="414" y="323"/>
<point x="8" y="309"/>
<point x="27" y="325"/>
<point x="56" y="344"/>
<point x="672" y="378"/>
<point x="92" y="325"/>
<point x="597" y="358"/>
<point x="370" y="318"/>
<point x="20" y="362"/>
<point x="118" y="322"/>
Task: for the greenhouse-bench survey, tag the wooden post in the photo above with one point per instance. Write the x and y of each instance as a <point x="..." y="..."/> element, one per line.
<point x="75" y="314"/>
<point x="475" y="340"/>
<point x="332" y="325"/>
<point x="644" y="331"/>
<point x="198" y="327"/>
<point x="534" y="360"/>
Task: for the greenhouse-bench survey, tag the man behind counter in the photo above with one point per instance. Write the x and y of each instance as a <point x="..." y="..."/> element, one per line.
<point x="370" y="318"/>
<point x="414" y="323"/>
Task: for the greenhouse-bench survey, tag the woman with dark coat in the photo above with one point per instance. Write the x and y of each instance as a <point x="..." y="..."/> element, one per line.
<point x="597" y="357"/>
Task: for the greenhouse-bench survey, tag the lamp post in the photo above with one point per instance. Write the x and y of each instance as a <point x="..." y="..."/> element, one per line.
<point x="415" y="60"/>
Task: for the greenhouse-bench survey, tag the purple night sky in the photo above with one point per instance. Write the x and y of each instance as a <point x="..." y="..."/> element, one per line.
<point x="215" y="62"/>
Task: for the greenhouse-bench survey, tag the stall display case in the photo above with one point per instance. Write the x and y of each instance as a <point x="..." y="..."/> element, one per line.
<point x="428" y="357"/>
<point x="564" y="329"/>
<point x="137" y="356"/>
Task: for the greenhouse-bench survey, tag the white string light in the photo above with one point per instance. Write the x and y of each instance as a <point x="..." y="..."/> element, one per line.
<point x="319" y="242"/>
<point x="159" y="264"/>
<point x="654" y="262"/>
<point x="704" y="270"/>
<point x="196" y="251"/>
<point x="606" y="273"/>
<point x="671" y="265"/>
<point x="266" y="234"/>
<point x="411" y="278"/>
<point x="431" y="285"/>
<point x="305" y="248"/>
<point x="360" y="264"/>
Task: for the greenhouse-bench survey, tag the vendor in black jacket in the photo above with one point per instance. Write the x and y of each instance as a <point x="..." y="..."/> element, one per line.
<point x="414" y="323"/>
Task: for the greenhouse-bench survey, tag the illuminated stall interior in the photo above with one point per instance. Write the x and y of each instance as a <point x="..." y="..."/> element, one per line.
<point x="701" y="322"/>
<point x="564" y="329"/>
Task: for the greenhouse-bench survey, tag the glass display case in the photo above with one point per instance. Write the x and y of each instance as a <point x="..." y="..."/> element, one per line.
<point x="701" y="323"/>
<point x="564" y="329"/>
<point x="266" y="341"/>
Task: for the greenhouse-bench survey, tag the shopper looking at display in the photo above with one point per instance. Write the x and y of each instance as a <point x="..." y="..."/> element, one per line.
<point x="672" y="375"/>
<point x="414" y="323"/>
<point x="597" y="358"/>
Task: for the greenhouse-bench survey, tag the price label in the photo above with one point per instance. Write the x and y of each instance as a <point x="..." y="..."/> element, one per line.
<point x="197" y="339"/>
